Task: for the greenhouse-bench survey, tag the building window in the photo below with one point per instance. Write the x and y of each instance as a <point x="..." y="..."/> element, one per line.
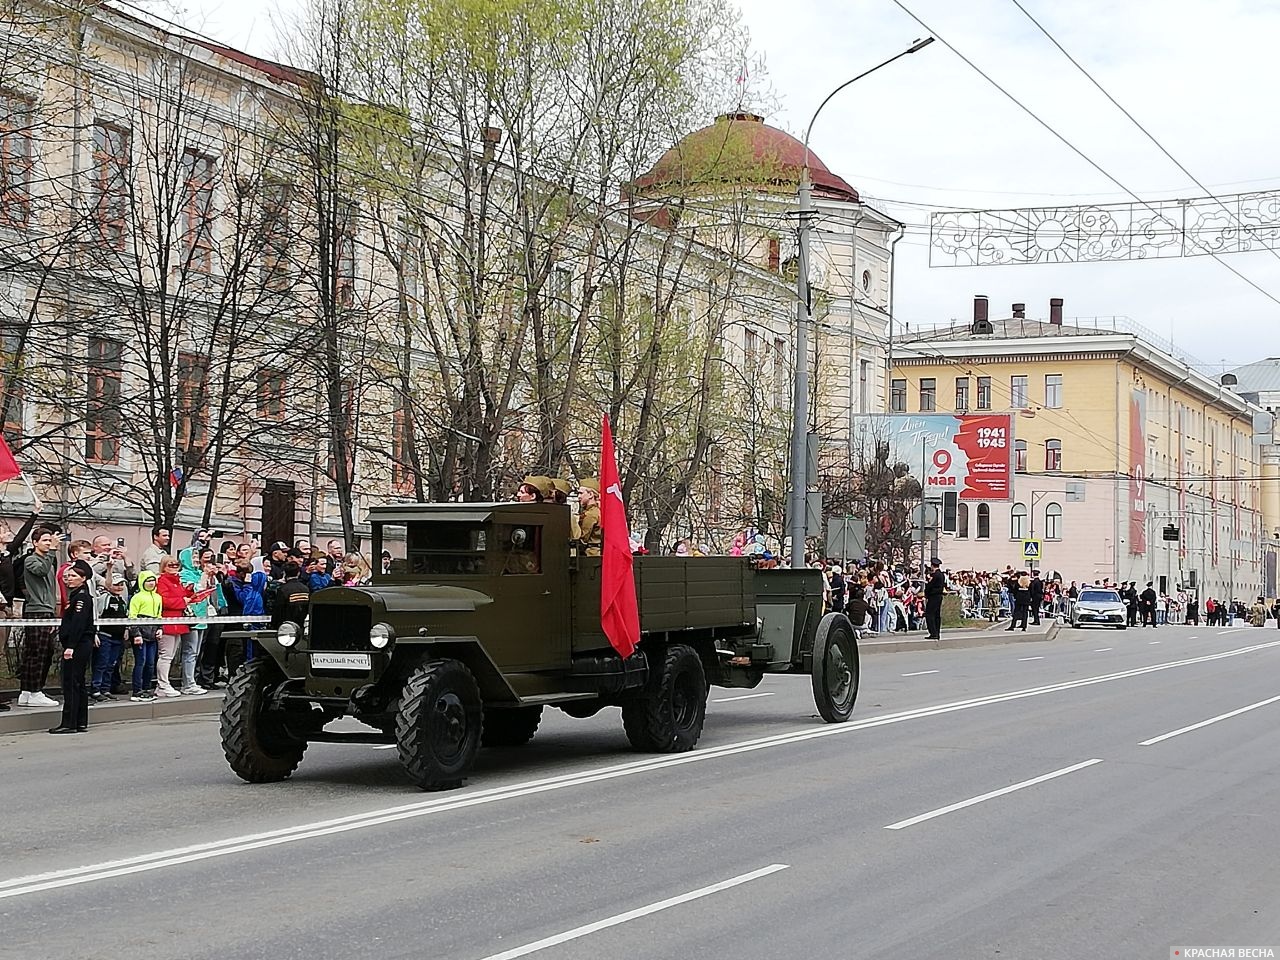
<point x="1018" y="522"/>
<point x="962" y="394"/>
<point x="11" y="388"/>
<point x="984" y="393"/>
<point x="193" y="411"/>
<point x="271" y="390"/>
<point x="962" y="521"/>
<point x="1053" y="454"/>
<point x="402" y="477"/>
<point x="866" y="281"/>
<point x="111" y="177"/>
<point x="198" y="210"/>
<point x="1018" y="392"/>
<point x="864" y="385"/>
<point x="344" y="250"/>
<point x="984" y="521"/>
<point x="928" y="394"/>
<point x="275" y="235"/>
<point x="1053" y="521"/>
<point x="1053" y="390"/>
<point x="1020" y="456"/>
<point x="102" y="411"/>
<point x="16" y="116"/>
<point x="781" y="376"/>
<point x="898" y="396"/>
<point x="775" y="253"/>
<point x="751" y="352"/>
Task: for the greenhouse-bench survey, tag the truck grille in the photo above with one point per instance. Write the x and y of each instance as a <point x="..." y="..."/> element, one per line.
<point x="340" y="626"/>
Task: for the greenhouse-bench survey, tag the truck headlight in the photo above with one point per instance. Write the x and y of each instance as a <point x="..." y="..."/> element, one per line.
<point x="381" y="635"/>
<point x="287" y="633"/>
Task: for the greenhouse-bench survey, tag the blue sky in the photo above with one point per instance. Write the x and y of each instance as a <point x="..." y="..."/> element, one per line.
<point x="928" y="131"/>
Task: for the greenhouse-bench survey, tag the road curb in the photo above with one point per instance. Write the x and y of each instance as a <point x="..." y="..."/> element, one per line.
<point x="28" y="719"/>
<point x="959" y="641"/>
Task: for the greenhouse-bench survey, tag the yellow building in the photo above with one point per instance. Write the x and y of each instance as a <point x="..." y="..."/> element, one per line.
<point x="1119" y="443"/>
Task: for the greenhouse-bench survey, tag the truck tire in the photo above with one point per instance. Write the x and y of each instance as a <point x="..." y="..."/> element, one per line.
<point x="257" y="744"/>
<point x="668" y="716"/>
<point x="438" y="724"/>
<point x="510" y="726"/>
<point x="835" y="668"/>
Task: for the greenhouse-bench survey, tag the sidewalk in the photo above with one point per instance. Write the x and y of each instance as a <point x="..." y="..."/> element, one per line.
<point x="26" y="719"/>
<point x="960" y="638"/>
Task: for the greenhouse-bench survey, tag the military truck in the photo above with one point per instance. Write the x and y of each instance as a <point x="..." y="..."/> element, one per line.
<point x="488" y="614"/>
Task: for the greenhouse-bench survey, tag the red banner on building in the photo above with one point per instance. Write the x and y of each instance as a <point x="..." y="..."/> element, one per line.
<point x="1137" y="472"/>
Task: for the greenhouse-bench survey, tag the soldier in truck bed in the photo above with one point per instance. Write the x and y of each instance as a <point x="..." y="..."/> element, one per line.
<point x="590" y="532"/>
<point x="561" y="489"/>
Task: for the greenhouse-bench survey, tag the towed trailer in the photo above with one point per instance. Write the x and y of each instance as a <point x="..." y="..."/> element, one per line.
<point x="488" y="616"/>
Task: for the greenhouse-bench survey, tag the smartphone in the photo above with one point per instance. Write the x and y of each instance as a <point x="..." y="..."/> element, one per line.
<point x="119" y="541"/>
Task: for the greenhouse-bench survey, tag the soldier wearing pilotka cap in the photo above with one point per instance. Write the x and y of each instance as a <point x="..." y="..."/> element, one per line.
<point x="590" y="533"/>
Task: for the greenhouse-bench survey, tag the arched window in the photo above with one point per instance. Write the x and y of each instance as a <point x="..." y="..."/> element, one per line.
<point x="962" y="521"/>
<point x="1053" y="454"/>
<point x="1018" y="522"/>
<point x="1020" y="456"/>
<point x="866" y="279"/>
<point x="1053" y="521"/>
<point x="984" y="522"/>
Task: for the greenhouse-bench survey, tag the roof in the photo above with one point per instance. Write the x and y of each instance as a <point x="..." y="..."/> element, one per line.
<point x="1011" y="329"/>
<point x="741" y="149"/>
<point x="1262" y="376"/>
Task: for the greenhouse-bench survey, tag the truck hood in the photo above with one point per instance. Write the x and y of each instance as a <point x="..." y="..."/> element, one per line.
<point x="407" y="598"/>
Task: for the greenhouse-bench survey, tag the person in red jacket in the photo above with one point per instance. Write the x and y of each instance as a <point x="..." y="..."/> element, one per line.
<point x="174" y="596"/>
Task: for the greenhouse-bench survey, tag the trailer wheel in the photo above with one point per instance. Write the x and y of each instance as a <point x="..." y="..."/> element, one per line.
<point x="510" y="726"/>
<point x="668" y="716"/>
<point x="256" y="742"/>
<point x="438" y="724"/>
<point x="835" y="668"/>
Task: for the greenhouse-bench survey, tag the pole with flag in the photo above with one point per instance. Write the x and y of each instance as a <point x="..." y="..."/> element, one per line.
<point x="9" y="469"/>
<point x="619" y="612"/>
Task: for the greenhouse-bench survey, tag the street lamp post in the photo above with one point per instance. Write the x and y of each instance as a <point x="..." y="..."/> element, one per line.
<point x="800" y="400"/>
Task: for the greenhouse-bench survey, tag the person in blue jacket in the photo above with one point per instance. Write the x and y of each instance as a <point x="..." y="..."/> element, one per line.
<point x="250" y="590"/>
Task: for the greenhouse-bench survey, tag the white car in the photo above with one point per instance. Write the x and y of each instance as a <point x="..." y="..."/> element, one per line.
<point x="1102" y="608"/>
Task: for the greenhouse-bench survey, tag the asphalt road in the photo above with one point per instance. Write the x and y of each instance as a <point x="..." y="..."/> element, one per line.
<point x="991" y="802"/>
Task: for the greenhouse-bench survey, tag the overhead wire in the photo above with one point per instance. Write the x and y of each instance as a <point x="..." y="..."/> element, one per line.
<point x="1072" y="147"/>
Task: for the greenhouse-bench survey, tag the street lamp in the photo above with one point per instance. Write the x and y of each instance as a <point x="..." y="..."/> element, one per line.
<point x="800" y="405"/>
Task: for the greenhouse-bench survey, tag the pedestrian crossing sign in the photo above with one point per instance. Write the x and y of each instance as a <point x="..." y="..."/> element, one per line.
<point x="1031" y="550"/>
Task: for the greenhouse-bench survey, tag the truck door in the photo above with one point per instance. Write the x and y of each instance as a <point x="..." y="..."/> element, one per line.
<point x="533" y="597"/>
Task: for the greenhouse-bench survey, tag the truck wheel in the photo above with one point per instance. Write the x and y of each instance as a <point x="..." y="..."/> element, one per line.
<point x="835" y="668"/>
<point x="668" y="717"/>
<point x="510" y="726"/>
<point x="256" y="742"/>
<point x="438" y="724"/>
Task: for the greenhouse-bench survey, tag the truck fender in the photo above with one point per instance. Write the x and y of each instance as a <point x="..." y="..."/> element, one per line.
<point x="493" y="686"/>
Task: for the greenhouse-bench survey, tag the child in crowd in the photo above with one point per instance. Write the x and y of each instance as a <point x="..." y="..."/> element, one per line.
<point x="110" y="639"/>
<point x="146" y="603"/>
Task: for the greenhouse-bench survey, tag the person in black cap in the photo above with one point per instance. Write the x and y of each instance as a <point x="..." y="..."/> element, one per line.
<point x="78" y="638"/>
<point x="933" y="591"/>
<point x="276" y="558"/>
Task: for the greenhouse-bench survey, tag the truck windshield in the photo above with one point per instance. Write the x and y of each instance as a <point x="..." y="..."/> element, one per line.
<point x="434" y="548"/>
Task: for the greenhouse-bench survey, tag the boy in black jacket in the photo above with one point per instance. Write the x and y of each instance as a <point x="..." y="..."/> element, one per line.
<point x="110" y="639"/>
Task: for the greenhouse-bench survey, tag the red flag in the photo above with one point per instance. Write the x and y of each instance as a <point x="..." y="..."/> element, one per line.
<point x="619" y="613"/>
<point x="8" y="466"/>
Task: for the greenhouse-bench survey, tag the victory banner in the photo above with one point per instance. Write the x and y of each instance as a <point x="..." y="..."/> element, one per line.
<point x="966" y="453"/>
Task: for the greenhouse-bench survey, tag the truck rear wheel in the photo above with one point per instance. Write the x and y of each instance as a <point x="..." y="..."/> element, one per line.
<point x="668" y="716"/>
<point x="510" y="726"/>
<point x="438" y="724"/>
<point x="835" y="668"/>
<point x="256" y="742"/>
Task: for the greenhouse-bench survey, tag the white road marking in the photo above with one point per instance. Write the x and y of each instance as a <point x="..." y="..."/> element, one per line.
<point x="71" y="876"/>
<point x="1025" y="659"/>
<point x="1205" y="723"/>
<point x="747" y="696"/>
<point x="1194" y="638"/>
<point x="1103" y="649"/>
<point x="385" y="746"/>
<point x="951" y="808"/>
<point x="920" y="673"/>
<point x="613" y="921"/>
<point x="1150" y="642"/>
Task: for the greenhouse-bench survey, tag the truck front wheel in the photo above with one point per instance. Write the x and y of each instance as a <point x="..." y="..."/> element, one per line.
<point x="668" y="716"/>
<point x="438" y="724"/>
<point x="255" y="740"/>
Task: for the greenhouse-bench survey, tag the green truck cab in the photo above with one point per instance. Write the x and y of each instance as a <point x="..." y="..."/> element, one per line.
<point x="488" y="614"/>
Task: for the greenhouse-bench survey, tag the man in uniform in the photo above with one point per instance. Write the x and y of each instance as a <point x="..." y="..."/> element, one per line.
<point x="561" y="490"/>
<point x="591" y="533"/>
<point x="933" y="591"/>
<point x="1037" y="596"/>
<point x="77" y="638"/>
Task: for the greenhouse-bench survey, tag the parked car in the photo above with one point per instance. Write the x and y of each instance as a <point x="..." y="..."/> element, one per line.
<point x="1099" y="608"/>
